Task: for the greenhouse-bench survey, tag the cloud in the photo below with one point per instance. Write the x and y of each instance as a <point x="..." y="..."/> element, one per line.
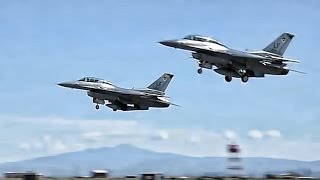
<point x="230" y="135"/>
<point x="25" y="146"/>
<point x="92" y="136"/>
<point x="47" y="139"/>
<point x="164" y="135"/>
<point x="255" y="134"/>
<point x="53" y="135"/>
<point x="195" y="139"/>
<point x="273" y="134"/>
<point x="36" y="145"/>
<point x="51" y="144"/>
<point x="46" y="143"/>
<point x="82" y="134"/>
<point x="58" y="146"/>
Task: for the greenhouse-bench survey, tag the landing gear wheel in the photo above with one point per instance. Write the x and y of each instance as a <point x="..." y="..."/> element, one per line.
<point x="244" y="78"/>
<point x="114" y="109"/>
<point x="228" y="78"/>
<point x="97" y="106"/>
<point x="199" y="71"/>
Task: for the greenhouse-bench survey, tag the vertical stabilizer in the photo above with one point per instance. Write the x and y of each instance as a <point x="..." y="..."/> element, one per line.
<point x="279" y="45"/>
<point x="161" y="83"/>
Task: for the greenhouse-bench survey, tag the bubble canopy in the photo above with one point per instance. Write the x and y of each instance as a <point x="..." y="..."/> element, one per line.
<point x="203" y="39"/>
<point x="93" y="79"/>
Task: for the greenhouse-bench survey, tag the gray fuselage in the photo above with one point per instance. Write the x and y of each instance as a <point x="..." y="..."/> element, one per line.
<point x="256" y="68"/>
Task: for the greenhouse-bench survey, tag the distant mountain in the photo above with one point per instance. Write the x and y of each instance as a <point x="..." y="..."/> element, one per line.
<point x="126" y="159"/>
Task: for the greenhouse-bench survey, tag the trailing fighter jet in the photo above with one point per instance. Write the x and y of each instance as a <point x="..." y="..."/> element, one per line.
<point x="232" y="63"/>
<point x="121" y="98"/>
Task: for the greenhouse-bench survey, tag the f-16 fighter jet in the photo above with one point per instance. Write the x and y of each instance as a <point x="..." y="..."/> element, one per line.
<point x="212" y="54"/>
<point x="121" y="98"/>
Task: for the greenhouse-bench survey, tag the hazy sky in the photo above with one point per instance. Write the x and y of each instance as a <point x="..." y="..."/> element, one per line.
<point x="43" y="42"/>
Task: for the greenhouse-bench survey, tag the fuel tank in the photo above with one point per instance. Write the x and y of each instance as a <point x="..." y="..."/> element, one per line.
<point x="210" y="59"/>
<point x="227" y="72"/>
<point x="101" y="96"/>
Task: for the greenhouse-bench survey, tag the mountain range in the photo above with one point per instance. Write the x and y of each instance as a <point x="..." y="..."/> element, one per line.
<point x="126" y="159"/>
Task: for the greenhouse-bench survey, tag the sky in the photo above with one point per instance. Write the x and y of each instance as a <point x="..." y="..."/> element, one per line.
<point x="44" y="42"/>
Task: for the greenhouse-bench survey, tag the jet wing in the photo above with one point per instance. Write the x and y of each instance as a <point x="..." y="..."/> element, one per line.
<point x="232" y="54"/>
<point x="123" y="92"/>
<point x="283" y="59"/>
<point x="228" y="54"/>
<point x="127" y="94"/>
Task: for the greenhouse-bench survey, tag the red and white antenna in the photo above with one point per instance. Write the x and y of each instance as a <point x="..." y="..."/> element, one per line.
<point x="234" y="165"/>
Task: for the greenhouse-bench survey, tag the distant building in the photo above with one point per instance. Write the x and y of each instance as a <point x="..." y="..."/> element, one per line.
<point x="99" y="174"/>
<point x="289" y="175"/>
<point x="21" y="174"/>
<point x="31" y="176"/>
<point x="14" y="174"/>
<point x="234" y="167"/>
<point x="152" y="176"/>
<point x="131" y="177"/>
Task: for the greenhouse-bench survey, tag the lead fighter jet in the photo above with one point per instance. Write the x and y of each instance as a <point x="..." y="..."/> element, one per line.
<point x="121" y="98"/>
<point x="232" y="63"/>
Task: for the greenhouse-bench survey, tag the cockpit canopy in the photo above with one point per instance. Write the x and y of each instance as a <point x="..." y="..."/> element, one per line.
<point x="203" y="39"/>
<point x="93" y="79"/>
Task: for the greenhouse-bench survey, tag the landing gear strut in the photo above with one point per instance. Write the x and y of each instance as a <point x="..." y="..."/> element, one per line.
<point x="97" y="106"/>
<point x="244" y="78"/>
<point x="228" y="78"/>
<point x="199" y="71"/>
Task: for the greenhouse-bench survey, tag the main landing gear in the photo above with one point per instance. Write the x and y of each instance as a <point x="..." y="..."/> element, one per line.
<point x="244" y="78"/>
<point x="97" y="106"/>
<point x="228" y="78"/>
<point x="199" y="71"/>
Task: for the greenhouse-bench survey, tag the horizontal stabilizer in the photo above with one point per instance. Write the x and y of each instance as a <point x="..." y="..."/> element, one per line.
<point x="297" y="71"/>
<point x="175" y="104"/>
<point x="290" y="61"/>
<point x="284" y="60"/>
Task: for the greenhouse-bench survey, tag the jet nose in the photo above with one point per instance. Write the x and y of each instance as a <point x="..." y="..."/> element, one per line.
<point x="63" y="84"/>
<point x="68" y="84"/>
<point x="170" y="43"/>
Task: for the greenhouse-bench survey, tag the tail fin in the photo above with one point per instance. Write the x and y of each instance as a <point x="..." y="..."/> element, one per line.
<point x="279" y="45"/>
<point x="162" y="83"/>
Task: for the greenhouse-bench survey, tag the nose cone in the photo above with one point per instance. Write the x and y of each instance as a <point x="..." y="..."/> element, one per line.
<point x="68" y="84"/>
<point x="64" y="84"/>
<point x="170" y="43"/>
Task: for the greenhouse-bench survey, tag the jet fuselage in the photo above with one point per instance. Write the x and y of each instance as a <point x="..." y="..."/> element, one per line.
<point x="102" y="90"/>
<point x="230" y="62"/>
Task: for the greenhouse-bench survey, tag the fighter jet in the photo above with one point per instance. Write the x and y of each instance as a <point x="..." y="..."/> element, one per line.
<point x="105" y="93"/>
<point x="212" y="54"/>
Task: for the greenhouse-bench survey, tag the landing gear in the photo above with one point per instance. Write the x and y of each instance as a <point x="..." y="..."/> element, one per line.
<point x="114" y="109"/>
<point x="228" y="78"/>
<point x="199" y="71"/>
<point x="97" y="106"/>
<point x="244" y="78"/>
